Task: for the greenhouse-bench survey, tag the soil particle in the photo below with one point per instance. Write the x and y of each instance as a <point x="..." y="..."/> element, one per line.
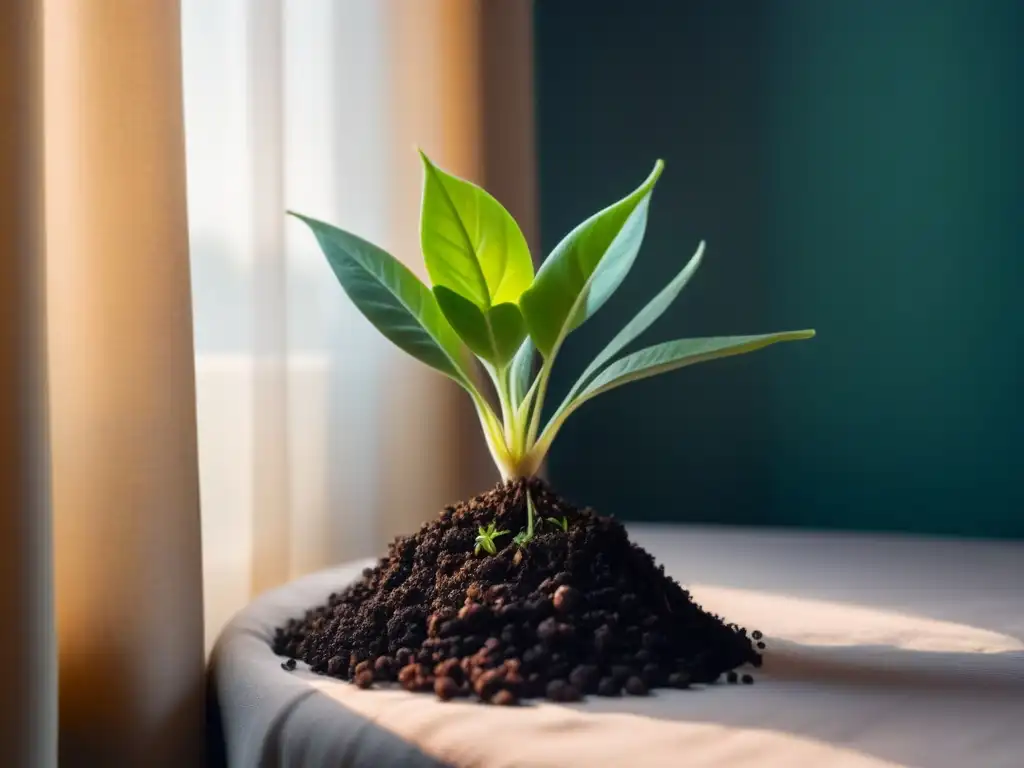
<point x="445" y="688"/>
<point x="585" y="677"/>
<point x="681" y="680"/>
<point x="566" y="599"/>
<point x="504" y="699"/>
<point x="384" y="668"/>
<point x="364" y="679"/>
<point x="569" y="613"/>
<point x="636" y="687"/>
<point x="652" y="675"/>
<point x="488" y="684"/>
<point x="560" y="690"/>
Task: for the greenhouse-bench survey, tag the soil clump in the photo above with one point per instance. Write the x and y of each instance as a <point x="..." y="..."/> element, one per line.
<point x="571" y="613"/>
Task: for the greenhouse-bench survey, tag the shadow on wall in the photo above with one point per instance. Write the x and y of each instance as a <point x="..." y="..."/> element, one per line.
<point x="855" y="168"/>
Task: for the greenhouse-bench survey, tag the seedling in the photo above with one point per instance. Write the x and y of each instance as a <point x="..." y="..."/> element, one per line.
<point x="526" y="535"/>
<point x="486" y="537"/>
<point x="486" y="306"/>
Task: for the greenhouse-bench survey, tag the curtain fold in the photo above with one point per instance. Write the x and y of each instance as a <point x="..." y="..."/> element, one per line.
<point x="124" y="458"/>
<point x="28" y="697"/>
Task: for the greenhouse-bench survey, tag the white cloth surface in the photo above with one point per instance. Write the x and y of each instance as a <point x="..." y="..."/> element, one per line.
<point x="882" y="651"/>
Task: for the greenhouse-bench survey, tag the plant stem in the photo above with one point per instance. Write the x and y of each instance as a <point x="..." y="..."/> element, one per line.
<point x="495" y="439"/>
<point x="542" y="390"/>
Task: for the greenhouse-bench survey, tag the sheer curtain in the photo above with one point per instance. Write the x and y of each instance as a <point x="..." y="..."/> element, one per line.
<point x="318" y="441"/>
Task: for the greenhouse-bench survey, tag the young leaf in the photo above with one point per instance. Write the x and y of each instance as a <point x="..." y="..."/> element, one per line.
<point x="494" y="333"/>
<point x="470" y="243"/>
<point x="607" y="276"/>
<point x="642" y="321"/>
<point x="662" y="358"/>
<point x="485" y="538"/>
<point x="394" y="300"/>
<point x="569" y="287"/>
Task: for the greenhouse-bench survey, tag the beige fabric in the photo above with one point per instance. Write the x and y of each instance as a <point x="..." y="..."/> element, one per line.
<point x="125" y="477"/>
<point x="882" y="651"/>
<point x="28" y="698"/>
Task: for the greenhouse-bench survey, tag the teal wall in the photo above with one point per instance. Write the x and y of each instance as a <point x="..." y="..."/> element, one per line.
<point x="856" y="167"/>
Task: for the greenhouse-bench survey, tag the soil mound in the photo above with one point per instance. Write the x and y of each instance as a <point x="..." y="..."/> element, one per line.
<point x="573" y="612"/>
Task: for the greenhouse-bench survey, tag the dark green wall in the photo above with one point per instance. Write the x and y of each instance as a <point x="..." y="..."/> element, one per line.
<point x="856" y="167"/>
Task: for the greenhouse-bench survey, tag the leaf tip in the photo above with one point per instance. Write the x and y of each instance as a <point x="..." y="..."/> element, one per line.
<point x="699" y="254"/>
<point x="808" y="333"/>
<point x="309" y="222"/>
<point x="659" y="166"/>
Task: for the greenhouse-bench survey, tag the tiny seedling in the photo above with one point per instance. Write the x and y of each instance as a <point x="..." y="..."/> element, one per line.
<point x="526" y="535"/>
<point x="485" y="539"/>
<point x="486" y="306"/>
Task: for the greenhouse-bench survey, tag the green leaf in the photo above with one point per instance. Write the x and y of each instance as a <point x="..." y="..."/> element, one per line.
<point x="585" y="268"/>
<point x="394" y="300"/>
<point x="671" y="355"/>
<point x="663" y="358"/>
<point x="522" y="371"/>
<point x="485" y="538"/>
<point x="471" y="244"/>
<point x="642" y="321"/>
<point x="494" y="334"/>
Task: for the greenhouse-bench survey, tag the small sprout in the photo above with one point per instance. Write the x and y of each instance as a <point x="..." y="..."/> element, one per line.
<point x="562" y="522"/>
<point x="486" y="537"/>
<point x="524" y="537"/>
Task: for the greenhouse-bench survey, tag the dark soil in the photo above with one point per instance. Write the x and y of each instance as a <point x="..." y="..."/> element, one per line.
<point x="571" y="613"/>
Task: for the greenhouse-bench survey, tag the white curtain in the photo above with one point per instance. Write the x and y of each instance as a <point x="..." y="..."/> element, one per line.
<point x="319" y="441"/>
